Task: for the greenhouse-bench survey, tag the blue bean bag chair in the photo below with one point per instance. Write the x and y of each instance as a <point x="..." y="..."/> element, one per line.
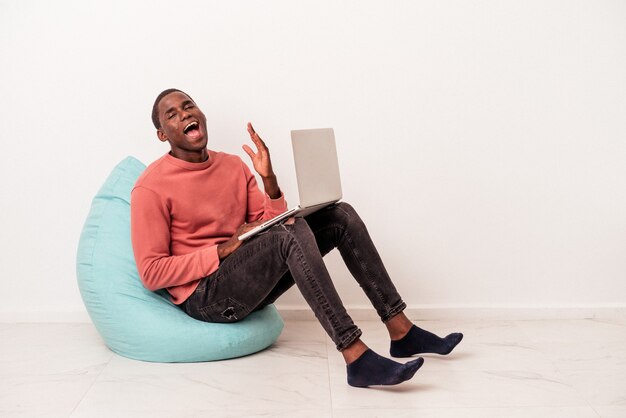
<point x="135" y="322"/>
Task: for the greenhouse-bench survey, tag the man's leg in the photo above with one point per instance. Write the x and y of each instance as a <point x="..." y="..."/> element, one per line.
<point x="248" y="276"/>
<point x="339" y="226"/>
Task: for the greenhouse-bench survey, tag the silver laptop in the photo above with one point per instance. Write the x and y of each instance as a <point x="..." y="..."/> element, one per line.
<point x="317" y="172"/>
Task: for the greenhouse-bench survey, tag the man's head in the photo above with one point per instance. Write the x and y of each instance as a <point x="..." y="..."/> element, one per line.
<point x="155" y="107"/>
<point x="180" y="122"/>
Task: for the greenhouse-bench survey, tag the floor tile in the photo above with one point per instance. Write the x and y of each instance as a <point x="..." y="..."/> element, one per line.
<point x="573" y="331"/>
<point x="588" y="355"/>
<point x="599" y="387"/>
<point x="437" y="389"/>
<point x="48" y="368"/>
<point x="287" y="376"/>
<point x="35" y="349"/>
<point x="191" y="412"/>
<point x="525" y="412"/>
<point x="611" y="411"/>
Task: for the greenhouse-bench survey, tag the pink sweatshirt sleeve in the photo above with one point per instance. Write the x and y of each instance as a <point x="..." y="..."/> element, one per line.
<point x="150" y="233"/>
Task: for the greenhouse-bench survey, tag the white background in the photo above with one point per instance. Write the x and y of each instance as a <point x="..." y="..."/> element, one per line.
<point x="484" y="143"/>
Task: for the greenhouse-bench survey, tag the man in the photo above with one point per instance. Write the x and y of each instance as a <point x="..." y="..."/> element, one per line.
<point x="189" y="207"/>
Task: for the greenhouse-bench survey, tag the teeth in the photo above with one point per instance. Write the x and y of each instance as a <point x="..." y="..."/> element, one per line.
<point x="190" y="125"/>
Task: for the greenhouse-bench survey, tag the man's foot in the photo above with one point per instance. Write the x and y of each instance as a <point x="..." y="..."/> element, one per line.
<point x="420" y="341"/>
<point x="371" y="369"/>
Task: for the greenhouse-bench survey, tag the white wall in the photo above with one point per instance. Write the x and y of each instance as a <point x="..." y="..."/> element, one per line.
<point x="484" y="143"/>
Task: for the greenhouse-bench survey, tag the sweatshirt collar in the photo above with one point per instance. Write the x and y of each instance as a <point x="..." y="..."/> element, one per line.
<point x="190" y="166"/>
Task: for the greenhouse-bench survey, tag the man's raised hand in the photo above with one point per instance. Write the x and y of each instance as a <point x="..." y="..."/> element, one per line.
<point x="261" y="159"/>
<point x="262" y="163"/>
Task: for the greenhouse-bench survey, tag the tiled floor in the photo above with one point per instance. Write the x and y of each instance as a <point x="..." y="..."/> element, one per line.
<point x="552" y="368"/>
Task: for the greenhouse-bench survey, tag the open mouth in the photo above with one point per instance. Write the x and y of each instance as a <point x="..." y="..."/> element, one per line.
<point x="192" y="130"/>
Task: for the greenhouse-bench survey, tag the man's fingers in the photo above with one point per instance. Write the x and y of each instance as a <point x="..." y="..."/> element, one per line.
<point x="252" y="132"/>
<point x="249" y="151"/>
<point x="247" y="227"/>
<point x="255" y="137"/>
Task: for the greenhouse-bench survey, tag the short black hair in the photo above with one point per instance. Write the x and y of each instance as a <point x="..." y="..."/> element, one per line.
<point x="155" y="107"/>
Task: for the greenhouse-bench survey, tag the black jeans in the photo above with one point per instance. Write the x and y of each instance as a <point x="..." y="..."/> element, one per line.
<point x="267" y="265"/>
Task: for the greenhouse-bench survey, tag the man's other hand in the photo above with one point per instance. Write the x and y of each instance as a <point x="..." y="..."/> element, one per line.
<point x="228" y="247"/>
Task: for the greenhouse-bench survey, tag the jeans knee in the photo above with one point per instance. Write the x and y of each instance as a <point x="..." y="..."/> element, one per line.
<point x="345" y="214"/>
<point x="301" y="235"/>
<point x="301" y="229"/>
<point x="346" y="208"/>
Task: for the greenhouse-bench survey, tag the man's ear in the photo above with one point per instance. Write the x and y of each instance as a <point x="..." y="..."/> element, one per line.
<point x="161" y="135"/>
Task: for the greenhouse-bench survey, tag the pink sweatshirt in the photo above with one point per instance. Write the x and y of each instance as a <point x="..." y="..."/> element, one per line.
<point x="181" y="211"/>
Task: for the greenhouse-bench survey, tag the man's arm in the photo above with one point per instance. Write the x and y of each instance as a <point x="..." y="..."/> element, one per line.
<point x="262" y="163"/>
<point x="150" y="234"/>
